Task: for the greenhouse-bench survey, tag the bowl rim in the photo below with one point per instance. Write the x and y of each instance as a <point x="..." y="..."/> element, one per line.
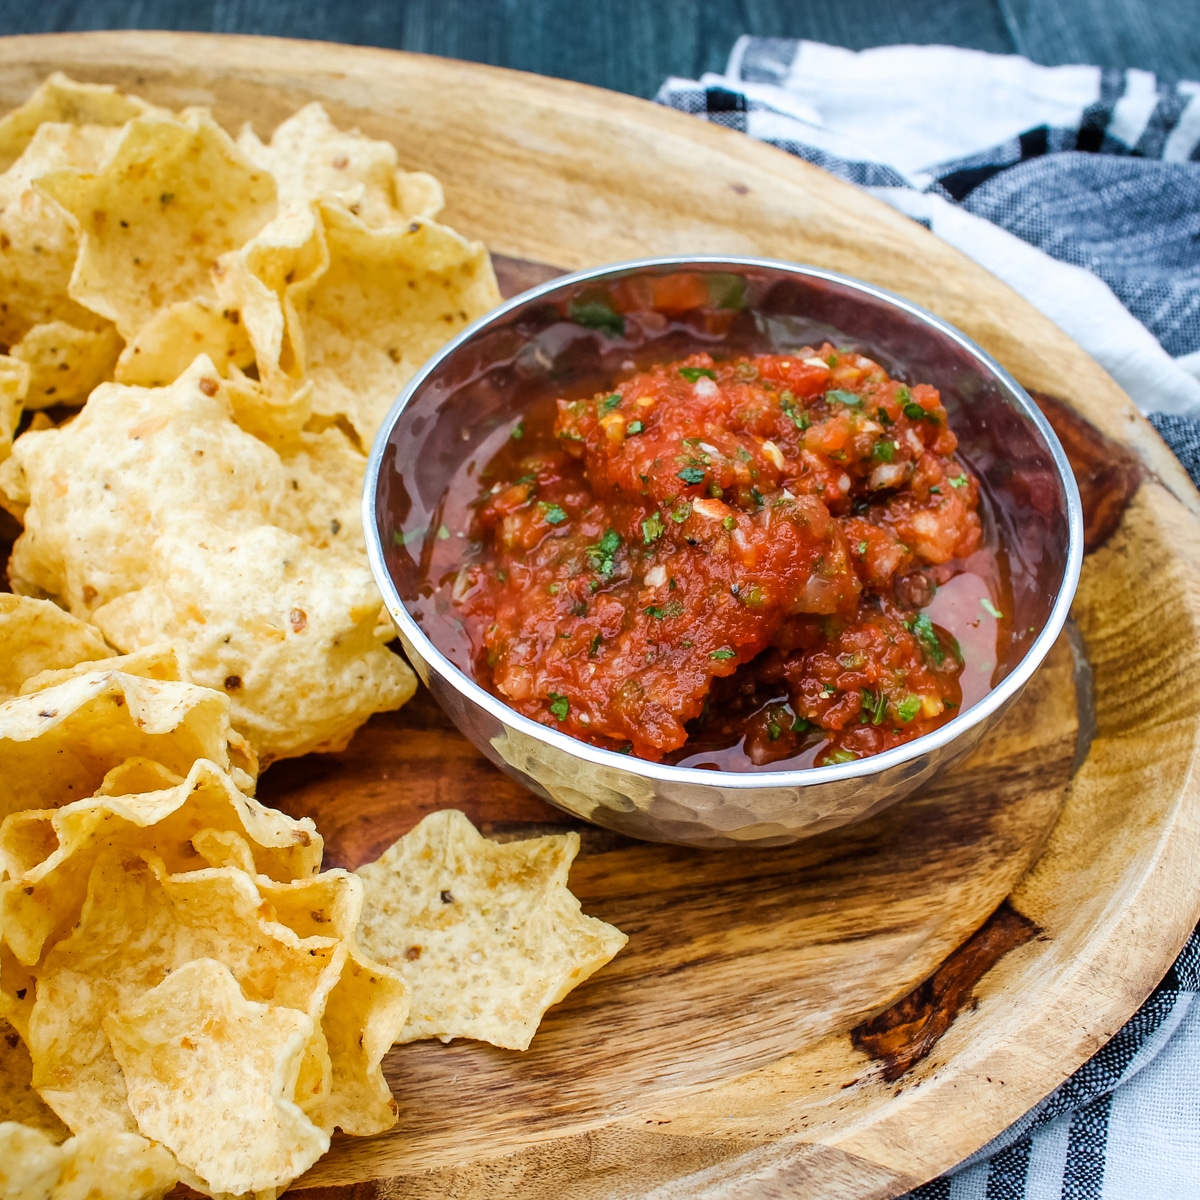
<point x="876" y="764"/>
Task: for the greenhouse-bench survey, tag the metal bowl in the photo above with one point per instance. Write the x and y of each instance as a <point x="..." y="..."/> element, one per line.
<point x="463" y="401"/>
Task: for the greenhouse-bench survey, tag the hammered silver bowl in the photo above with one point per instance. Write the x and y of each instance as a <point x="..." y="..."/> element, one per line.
<point x="581" y="326"/>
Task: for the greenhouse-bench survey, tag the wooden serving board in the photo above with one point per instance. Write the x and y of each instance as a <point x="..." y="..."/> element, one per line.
<point x="853" y="1015"/>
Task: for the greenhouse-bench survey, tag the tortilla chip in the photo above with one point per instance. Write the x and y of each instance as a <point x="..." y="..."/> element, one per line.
<point x="14" y="384"/>
<point x="50" y="854"/>
<point x="60" y="100"/>
<point x="38" y="247"/>
<point x="39" y="242"/>
<point x="135" y="460"/>
<point x="274" y="278"/>
<point x="312" y="159"/>
<point x="14" y="488"/>
<point x="37" y="637"/>
<point x="135" y="776"/>
<point x="55" y="145"/>
<point x="363" y="1019"/>
<point x="19" y="1103"/>
<point x="212" y="1076"/>
<point x="390" y="298"/>
<point x="261" y="281"/>
<point x="324" y="478"/>
<point x="155" y="662"/>
<point x="171" y="197"/>
<point x="170" y="341"/>
<point x="418" y="194"/>
<point x="486" y="935"/>
<point x="57" y="745"/>
<point x="138" y="925"/>
<point x="364" y="1006"/>
<point x="224" y="848"/>
<point x="122" y="1166"/>
<point x="286" y="631"/>
<point x="275" y="413"/>
<point x="30" y="1163"/>
<point x="18" y="989"/>
<point x="66" y="363"/>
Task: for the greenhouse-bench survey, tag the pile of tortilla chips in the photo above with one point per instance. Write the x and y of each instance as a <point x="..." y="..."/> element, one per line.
<point x="184" y="993"/>
<point x="235" y="317"/>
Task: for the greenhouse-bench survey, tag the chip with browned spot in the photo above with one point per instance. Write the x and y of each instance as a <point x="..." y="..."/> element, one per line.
<point x="486" y="934"/>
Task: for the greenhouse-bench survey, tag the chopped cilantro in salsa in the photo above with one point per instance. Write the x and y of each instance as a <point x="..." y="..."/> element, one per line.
<point x="652" y="529"/>
<point x="602" y="556"/>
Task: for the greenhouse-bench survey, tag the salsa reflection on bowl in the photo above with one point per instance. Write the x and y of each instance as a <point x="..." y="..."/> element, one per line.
<point x="754" y="561"/>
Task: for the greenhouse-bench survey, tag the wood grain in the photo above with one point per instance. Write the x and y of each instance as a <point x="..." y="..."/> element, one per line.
<point x="902" y="1035"/>
<point x="714" y="1056"/>
<point x="744" y="954"/>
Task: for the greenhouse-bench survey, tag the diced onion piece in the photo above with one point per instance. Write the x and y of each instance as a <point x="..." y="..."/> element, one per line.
<point x="714" y="510"/>
<point x="887" y="475"/>
<point x="462" y="585"/>
<point x="656" y="576"/>
<point x="773" y="452"/>
<point x="705" y="387"/>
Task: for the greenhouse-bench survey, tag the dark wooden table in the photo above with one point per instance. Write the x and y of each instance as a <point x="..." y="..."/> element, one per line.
<point x="633" y="45"/>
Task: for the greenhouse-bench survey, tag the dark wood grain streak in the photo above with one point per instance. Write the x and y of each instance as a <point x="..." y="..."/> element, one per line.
<point x="1108" y="475"/>
<point x="900" y="1036"/>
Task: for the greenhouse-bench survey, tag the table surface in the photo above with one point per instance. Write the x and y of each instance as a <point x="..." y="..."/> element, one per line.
<point x="633" y="45"/>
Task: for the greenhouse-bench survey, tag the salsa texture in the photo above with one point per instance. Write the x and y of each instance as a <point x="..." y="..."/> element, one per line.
<point x="715" y="554"/>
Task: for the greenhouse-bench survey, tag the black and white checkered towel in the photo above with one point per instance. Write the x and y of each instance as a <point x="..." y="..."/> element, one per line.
<point x="1080" y="187"/>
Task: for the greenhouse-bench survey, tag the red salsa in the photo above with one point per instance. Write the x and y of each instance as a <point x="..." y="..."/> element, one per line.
<point x="730" y="563"/>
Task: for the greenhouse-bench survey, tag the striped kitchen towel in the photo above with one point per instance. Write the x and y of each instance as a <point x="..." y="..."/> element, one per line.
<point x="1080" y="187"/>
